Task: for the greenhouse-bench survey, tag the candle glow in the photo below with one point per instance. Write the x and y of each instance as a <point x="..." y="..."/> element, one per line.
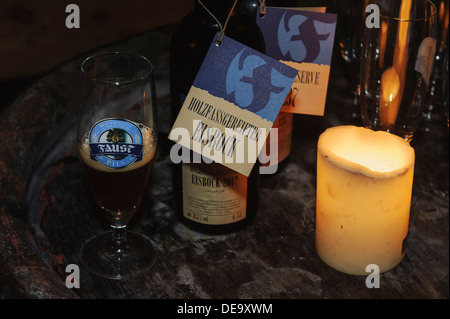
<point x="364" y="186"/>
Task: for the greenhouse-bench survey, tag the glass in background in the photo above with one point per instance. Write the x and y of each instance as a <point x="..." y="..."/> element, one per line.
<point x="445" y="84"/>
<point x="396" y="65"/>
<point x="435" y="104"/>
<point x="349" y="38"/>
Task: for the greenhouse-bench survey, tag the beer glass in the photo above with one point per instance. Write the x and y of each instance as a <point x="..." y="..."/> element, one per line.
<point x="396" y="65"/>
<point x="117" y="143"/>
<point x="349" y="40"/>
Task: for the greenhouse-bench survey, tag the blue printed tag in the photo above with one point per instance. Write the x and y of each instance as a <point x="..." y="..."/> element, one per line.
<point x="234" y="100"/>
<point x="299" y="36"/>
<point x="303" y="40"/>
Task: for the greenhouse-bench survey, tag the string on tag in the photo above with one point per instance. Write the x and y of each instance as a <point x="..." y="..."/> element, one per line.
<point x="262" y="7"/>
<point x="222" y="28"/>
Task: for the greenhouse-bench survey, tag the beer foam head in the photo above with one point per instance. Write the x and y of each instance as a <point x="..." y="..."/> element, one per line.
<point x="149" y="142"/>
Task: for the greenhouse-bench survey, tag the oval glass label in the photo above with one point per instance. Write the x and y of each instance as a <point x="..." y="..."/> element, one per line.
<point x="115" y="143"/>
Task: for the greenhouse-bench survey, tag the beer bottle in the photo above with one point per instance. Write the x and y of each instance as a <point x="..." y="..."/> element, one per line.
<point x="284" y="120"/>
<point x="210" y="198"/>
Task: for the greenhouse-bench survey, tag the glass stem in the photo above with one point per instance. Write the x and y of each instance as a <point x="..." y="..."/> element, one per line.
<point x="119" y="234"/>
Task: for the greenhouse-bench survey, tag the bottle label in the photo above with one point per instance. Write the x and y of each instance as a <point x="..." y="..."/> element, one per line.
<point x="232" y="104"/>
<point x="213" y="194"/>
<point x="303" y="40"/>
<point x="284" y="125"/>
<point x="115" y="143"/>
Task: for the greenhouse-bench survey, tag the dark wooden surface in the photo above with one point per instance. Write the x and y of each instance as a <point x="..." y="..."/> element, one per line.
<point x="46" y="212"/>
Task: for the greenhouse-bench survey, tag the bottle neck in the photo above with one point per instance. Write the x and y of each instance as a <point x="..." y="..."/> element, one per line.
<point x="219" y="8"/>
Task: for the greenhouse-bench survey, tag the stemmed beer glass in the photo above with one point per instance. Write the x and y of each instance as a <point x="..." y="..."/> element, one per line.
<point x="396" y="65"/>
<point x="117" y="143"/>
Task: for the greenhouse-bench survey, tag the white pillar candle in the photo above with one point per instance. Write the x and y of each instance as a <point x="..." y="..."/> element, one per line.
<point x="364" y="186"/>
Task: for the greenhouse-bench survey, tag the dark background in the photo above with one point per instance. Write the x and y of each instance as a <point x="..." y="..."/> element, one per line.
<point x="34" y="37"/>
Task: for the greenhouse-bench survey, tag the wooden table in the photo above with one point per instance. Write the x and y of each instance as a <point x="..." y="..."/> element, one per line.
<point x="46" y="212"/>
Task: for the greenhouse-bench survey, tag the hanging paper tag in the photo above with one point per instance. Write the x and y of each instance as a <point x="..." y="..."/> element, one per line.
<point x="304" y="41"/>
<point x="234" y="100"/>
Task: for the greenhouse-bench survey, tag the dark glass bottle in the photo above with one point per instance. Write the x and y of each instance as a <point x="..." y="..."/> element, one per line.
<point x="232" y="202"/>
<point x="251" y="6"/>
<point x="284" y="120"/>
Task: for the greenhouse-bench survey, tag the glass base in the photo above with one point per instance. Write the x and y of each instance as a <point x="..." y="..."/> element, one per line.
<point x="101" y="256"/>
